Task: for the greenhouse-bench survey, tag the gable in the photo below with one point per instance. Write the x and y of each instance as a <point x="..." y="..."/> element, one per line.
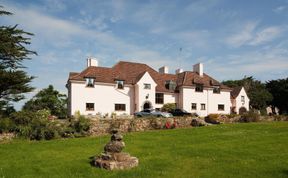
<point x="146" y="78"/>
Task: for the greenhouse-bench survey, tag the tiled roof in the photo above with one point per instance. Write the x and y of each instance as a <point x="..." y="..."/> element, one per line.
<point x="132" y="72"/>
<point x="235" y="92"/>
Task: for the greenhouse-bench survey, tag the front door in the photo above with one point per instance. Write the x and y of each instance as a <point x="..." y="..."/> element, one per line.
<point x="147" y="105"/>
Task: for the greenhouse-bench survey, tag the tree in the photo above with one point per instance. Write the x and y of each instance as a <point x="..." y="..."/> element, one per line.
<point x="256" y="91"/>
<point x="14" y="82"/>
<point x="279" y="90"/>
<point x="50" y="99"/>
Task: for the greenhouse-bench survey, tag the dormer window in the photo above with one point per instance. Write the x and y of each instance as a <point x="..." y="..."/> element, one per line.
<point x="216" y="89"/>
<point x="147" y="86"/>
<point x="199" y="88"/>
<point x="89" y="82"/>
<point x="170" y="85"/>
<point x="119" y="84"/>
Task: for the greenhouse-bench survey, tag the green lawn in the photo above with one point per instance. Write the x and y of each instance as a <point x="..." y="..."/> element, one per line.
<point x="231" y="150"/>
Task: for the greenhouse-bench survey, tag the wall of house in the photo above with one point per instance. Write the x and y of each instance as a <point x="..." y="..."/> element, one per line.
<point x="239" y="103"/>
<point x="145" y="95"/>
<point x="104" y="97"/>
<point x="214" y="99"/>
<point x="207" y="97"/>
<point x="168" y="98"/>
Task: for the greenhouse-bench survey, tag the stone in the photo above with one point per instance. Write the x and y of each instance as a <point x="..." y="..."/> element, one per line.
<point x="196" y="122"/>
<point x="112" y="158"/>
<point x="114" y="146"/>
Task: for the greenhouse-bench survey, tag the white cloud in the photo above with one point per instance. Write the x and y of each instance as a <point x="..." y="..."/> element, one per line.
<point x="252" y="34"/>
<point x="243" y="36"/>
<point x="280" y="9"/>
<point x="265" y="35"/>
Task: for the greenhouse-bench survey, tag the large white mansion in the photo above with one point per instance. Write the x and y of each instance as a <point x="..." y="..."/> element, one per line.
<point x="128" y="87"/>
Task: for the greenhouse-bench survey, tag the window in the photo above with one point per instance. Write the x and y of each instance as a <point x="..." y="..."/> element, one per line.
<point x="89" y="82"/>
<point x="242" y="98"/>
<point x="159" y="97"/>
<point x="216" y="89"/>
<point x="147" y="86"/>
<point x="120" y="107"/>
<point x="221" y="107"/>
<point x="199" y="88"/>
<point x="89" y="106"/>
<point x="203" y="106"/>
<point x="170" y="85"/>
<point x="194" y="106"/>
<point x="120" y="84"/>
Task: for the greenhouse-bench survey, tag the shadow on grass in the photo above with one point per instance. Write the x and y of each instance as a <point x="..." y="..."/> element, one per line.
<point x="285" y="172"/>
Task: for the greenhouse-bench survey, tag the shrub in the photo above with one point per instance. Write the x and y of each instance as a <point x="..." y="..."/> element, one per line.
<point x="81" y="125"/>
<point x="249" y="117"/>
<point x="212" y="119"/>
<point x="168" y="107"/>
<point x="6" y="125"/>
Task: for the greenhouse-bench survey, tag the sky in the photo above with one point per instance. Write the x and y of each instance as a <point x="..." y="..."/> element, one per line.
<point x="231" y="38"/>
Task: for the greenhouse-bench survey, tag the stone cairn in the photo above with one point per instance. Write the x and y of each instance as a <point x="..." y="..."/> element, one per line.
<point x="112" y="158"/>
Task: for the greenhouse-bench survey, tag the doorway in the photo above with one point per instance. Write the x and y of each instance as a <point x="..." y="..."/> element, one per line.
<point x="147" y="105"/>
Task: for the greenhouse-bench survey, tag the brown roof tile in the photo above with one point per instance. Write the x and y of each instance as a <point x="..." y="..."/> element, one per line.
<point x="131" y="73"/>
<point x="235" y="92"/>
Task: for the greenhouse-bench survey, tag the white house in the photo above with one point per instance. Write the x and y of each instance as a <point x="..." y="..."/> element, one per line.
<point x="239" y="100"/>
<point x="128" y="87"/>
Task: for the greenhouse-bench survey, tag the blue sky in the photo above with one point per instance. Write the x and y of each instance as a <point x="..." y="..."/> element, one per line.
<point x="232" y="38"/>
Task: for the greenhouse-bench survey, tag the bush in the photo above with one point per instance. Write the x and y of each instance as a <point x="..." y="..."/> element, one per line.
<point x="212" y="119"/>
<point x="6" y="125"/>
<point x="249" y="117"/>
<point x="168" y="107"/>
<point x="81" y="125"/>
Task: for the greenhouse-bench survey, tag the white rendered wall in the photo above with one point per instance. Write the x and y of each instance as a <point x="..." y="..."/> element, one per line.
<point x="239" y="103"/>
<point x="103" y="96"/>
<point x="207" y="97"/>
<point x="168" y="98"/>
<point x="219" y="98"/>
<point x="145" y="95"/>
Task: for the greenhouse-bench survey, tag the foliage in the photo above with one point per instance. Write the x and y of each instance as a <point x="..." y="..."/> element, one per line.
<point x="279" y="91"/>
<point x="250" y="116"/>
<point x="232" y="150"/>
<point x="168" y="107"/>
<point x="212" y="118"/>
<point x="50" y="99"/>
<point x="6" y="125"/>
<point x="14" y="82"/>
<point x="81" y="125"/>
<point x="258" y="94"/>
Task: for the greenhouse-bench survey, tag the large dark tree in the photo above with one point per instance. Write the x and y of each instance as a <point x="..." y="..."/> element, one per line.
<point x="259" y="96"/>
<point x="279" y="90"/>
<point x="14" y="81"/>
<point x="50" y="99"/>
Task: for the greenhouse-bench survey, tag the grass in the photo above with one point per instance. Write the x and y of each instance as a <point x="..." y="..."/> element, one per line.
<point x="231" y="150"/>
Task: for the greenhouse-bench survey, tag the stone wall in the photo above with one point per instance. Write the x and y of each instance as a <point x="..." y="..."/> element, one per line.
<point x="100" y="126"/>
<point x="6" y="136"/>
<point x="104" y="126"/>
